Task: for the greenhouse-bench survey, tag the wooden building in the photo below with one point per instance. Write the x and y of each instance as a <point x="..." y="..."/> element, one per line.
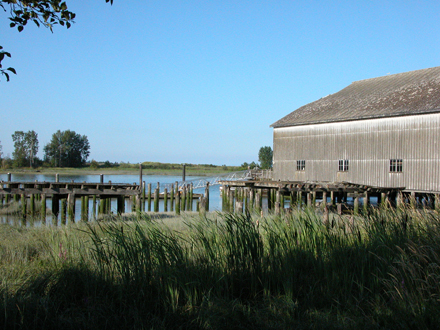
<point x="380" y="132"/>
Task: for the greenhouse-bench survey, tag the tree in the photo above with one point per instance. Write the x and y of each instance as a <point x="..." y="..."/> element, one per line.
<point x="1" y="153"/>
<point x="265" y="156"/>
<point x="42" y="12"/>
<point x="67" y="149"/>
<point x="25" y="148"/>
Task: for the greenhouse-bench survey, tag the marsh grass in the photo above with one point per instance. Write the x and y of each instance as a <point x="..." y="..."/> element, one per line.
<point x="225" y="271"/>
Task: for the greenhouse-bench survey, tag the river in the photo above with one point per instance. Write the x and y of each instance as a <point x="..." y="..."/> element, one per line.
<point x="164" y="180"/>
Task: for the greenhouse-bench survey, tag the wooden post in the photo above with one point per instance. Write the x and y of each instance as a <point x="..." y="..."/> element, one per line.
<point x="83" y="204"/>
<point x="313" y="198"/>
<point x="86" y="208"/>
<point x="43" y="208"/>
<point x="156" y="198"/>
<point x="384" y="200"/>
<point x="57" y="177"/>
<point x="366" y="201"/>
<point x="94" y="207"/>
<point x="23" y="205"/>
<point x="176" y="190"/>
<point x="149" y="197"/>
<point x="172" y="198"/>
<point x="309" y="199"/>
<point x="278" y="202"/>
<point x="165" y="200"/>
<point x="101" y="178"/>
<point x="269" y="199"/>
<point x="356" y="205"/>
<point x="207" y="197"/>
<point x="32" y="204"/>
<point x="202" y="206"/>
<point x="251" y="199"/>
<point x="299" y="198"/>
<point x="189" y="199"/>
<point x="143" y="195"/>
<point x="183" y="199"/>
<point x="324" y="199"/>
<point x="258" y="201"/>
<point x="191" y="196"/>
<point x="71" y="207"/>
<point x="177" y="202"/>
<point x="63" y="203"/>
<point x="184" y="173"/>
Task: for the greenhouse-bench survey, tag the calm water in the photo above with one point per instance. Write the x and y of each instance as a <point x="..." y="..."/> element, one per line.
<point x="164" y="180"/>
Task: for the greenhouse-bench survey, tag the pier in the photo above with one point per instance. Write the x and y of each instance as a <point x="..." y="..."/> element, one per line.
<point x="64" y="196"/>
<point x="238" y="196"/>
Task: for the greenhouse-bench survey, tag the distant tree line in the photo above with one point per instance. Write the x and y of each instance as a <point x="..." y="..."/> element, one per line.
<point x="66" y="149"/>
<point x="265" y="157"/>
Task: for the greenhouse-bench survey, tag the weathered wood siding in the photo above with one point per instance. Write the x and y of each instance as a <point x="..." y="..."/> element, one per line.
<point x="368" y="145"/>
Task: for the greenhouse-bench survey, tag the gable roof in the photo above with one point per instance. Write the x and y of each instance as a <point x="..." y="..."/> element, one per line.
<point x="408" y="93"/>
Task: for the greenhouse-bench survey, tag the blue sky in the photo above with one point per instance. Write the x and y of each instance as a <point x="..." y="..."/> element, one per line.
<point x="200" y="81"/>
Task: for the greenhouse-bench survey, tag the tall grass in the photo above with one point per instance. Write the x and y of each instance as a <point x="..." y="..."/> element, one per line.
<point x="223" y="271"/>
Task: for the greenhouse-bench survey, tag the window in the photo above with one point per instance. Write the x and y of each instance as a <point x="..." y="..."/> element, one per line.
<point x="343" y="165"/>
<point x="301" y="165"/>
<point x="395" y="165"/>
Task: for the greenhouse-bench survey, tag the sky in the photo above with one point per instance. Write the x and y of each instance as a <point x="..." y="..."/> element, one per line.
<point x="200" y="81"/>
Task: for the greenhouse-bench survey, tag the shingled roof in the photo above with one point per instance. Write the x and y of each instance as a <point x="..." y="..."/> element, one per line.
<point x="402" y="94"/>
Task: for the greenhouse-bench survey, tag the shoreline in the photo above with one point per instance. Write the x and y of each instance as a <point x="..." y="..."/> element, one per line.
<point x="105" y="171"/>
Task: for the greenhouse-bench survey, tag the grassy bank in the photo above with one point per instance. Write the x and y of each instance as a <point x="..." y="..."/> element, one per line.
<point x="148" y="168"/>
<point x="224" y="271"/>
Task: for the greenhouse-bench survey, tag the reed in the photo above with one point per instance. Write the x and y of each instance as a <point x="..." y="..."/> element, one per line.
<point x="223" y="270"/>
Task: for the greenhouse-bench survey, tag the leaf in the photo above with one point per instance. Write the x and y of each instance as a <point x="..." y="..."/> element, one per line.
<point x="12" y="25"/>
<point x="12" y="70"/>
<point x="6" y="75"/>
<point x="20" y="28"/>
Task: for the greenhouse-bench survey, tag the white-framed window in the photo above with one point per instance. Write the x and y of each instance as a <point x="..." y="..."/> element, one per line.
<point x="301" y="165"/>
<point x="343" y="165"/>
<point x="396" y="165"/>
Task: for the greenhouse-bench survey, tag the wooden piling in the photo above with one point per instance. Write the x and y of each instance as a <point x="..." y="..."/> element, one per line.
<point x="43" y="208"/>
<point x="278" y="202"/>
<point x="366" y="201"/>
<point x="356" y="205"/>
<point x="32" y="204"/>
<point x="177" y="202"/>
<point x="258" y="201"/>
<point x="309" y="199"/>
<point x="156" y="198"/>
<point x="23" y="206"/>
<point x="172" y="198"/>
<point x="143" y="196"/>
<point x="63" y="204"/>
<point x="207" y="196"/>
<point x="165" y="200"/>
<point x="86" y="208"/>
<point x="149" y="197"/>
<point x="83" y="204"/>
<point x="183" y="199"/>
<point x="71" y="208"/>
<point x="94" y="207"/>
